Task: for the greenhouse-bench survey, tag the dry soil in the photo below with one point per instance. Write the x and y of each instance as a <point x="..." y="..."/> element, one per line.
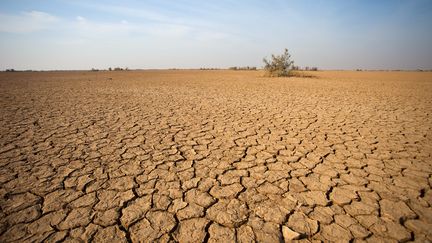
<point x="217" y="156"/>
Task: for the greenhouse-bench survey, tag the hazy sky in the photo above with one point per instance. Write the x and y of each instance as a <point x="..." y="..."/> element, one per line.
<point x="344" y="34"/>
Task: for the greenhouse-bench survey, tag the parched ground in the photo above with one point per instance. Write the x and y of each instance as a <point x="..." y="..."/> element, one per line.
<point x="217" y="156"/>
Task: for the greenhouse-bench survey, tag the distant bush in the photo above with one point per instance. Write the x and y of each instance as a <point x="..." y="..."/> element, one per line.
<point x="311" y="69"/>
<point x="242" y="68"/>
<point x="279" y="66"/>
<point x="209" y="68"/>
<point x="10" y="70"/>
<point x="118" y="69"/>
<point x="94" y="70"/>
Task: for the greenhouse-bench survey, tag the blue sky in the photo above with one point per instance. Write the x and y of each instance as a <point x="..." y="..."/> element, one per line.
<point x="329" y="34"/>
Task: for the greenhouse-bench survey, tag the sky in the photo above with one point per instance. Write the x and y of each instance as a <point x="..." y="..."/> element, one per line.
<point x="147" y="34"/>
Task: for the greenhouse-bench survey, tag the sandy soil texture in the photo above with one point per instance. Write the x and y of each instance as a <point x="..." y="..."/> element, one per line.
<point x="215" y="156"/>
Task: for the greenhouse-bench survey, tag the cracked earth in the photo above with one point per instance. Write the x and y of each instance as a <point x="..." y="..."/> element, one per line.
<point x="215" y="156"/>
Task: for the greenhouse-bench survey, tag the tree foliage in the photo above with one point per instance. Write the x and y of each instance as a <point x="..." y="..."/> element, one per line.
<point x="279" y="65"/>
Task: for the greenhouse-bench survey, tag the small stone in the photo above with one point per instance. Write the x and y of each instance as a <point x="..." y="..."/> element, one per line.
<point x="289" y="235"/>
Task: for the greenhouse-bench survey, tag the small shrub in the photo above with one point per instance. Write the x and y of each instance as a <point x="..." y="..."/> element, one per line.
<point x="280" y="65"/>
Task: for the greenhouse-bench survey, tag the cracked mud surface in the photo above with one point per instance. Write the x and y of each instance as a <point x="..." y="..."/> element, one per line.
<point x="219" y="156"/>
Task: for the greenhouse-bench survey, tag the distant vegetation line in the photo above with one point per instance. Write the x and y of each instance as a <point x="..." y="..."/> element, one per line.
<point x="295" y="68"/>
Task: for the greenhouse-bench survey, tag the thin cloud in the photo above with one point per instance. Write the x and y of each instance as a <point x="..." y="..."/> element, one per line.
<point x="130" y="12"/>
<point x="81" y="19"/>
<point x="27" y="22"/>
<point x="165" y="22"/>
<point x="82" y="27"/>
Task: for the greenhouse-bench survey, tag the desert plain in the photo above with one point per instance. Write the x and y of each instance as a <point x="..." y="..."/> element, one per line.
<point x="215" y="156"/>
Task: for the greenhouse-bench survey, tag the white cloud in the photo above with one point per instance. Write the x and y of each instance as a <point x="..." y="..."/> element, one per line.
<point x="26" y="22"/>
<point x="128" y="11"/>
<point x="85" y="29"/>
<point x="161" y="22"/>
<point x="81" y="19"/>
